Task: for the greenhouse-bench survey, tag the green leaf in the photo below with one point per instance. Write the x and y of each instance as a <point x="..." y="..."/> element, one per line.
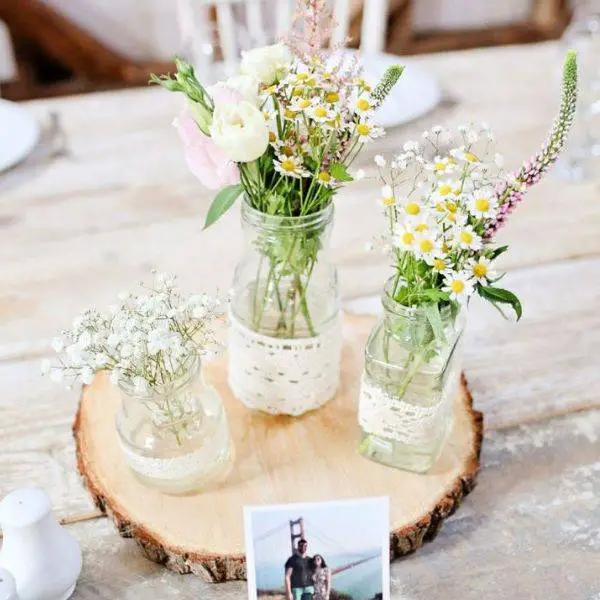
<point x="222" y="202"/>
<point x="496" y="252"/>
<point x="339" y="171"/>
<point x="498" y="295"/>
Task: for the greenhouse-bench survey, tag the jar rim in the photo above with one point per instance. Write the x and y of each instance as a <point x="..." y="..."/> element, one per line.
<point x="257" y="218"/>
<point x="402" y="310"/>
<point x="191" y="367"/>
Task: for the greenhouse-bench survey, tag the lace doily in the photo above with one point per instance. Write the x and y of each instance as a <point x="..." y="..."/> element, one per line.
<point x="195" y="465"/>
<point x="283" y="376"/>
<point x="384" y="415"/>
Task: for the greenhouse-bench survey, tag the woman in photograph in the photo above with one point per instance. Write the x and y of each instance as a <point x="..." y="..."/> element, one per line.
<point x="321" y="577"/>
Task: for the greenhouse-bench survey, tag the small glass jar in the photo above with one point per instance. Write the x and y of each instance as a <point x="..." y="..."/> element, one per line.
<point x="411" y="375"/>
<point x="285" y="331"/>
<point x="175" y="438"/>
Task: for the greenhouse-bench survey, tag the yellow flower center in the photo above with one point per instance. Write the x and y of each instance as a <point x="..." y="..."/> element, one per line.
<point x="302" y="76"/>
<point x="444" y="189"/>
<point x="310" y="82"/>
<point x="426" y="246"/>
<point x="363" y="104"/>
<point x="466" y="237"/>
<point x="332" y="97"/>
<point x="320" y="112"/>
<point x="408" y="238"/>
<point x="471" y="157"/>
<point x="287" y="151"/>
<point x="388" y="201"/>
<point x="413" y="209"/>
<point x="445" y="248"/>
<point x="290" y="114"/>
<point x="324" y="177"/>
<point x="363" y="129"/>
<point x="451" y="207"/>
<point x="421" y="227"/>
<point x="480" y="270"/>
<point x="271" y="89"/>
<point x="439" y="166"/>
<point x="457" y="286"/>
<point x="288" y="165"/>
<point x="440" y="207"/>
<point x="482" y="204"/>
<point x="304" y="103"/>
<point x="439" y="264"/>
<point x="272" y="137"/>
<point x="297" y="92"/>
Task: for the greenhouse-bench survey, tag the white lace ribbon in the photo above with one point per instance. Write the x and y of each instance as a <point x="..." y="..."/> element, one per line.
<point x="283" y="376"/>
<point x="387" y="416"/>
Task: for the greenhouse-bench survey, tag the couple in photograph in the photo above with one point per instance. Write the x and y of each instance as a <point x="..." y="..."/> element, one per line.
<point x="306" y="578"/>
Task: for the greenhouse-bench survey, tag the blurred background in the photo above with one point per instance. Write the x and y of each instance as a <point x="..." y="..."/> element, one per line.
<point x="57" y="47"/>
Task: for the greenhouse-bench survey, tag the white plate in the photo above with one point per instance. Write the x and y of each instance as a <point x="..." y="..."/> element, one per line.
<point x="414" y="95"/>
<point x="19" y="133"/>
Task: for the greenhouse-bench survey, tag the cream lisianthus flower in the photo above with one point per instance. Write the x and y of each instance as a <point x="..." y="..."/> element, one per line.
<point x="267" y="64"/>
<point x="240" y="130"/>
<point x="245" y="85"/>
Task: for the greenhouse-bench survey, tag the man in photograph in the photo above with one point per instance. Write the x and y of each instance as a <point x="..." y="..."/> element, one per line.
<point x="298" y="574"/>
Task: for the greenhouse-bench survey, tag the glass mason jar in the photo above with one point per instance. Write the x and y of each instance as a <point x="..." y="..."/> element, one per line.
<point x="175" y="438"/>
<point x="411" y="375"/>
<point x="285" y="330"/>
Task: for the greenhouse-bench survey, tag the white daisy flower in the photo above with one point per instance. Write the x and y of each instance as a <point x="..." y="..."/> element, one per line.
<point x="483" y="203"/>
<point x="300" y="104"/>
<point x="387" y="196"/>
<point x="481" y="269"/>
<point x="325" y="179"/>
<point x="291" y="166"/>
<point x="413" y="208"/>
<point x="364" y="104"/>
<point x="320" y="113"/>
<point x="367" y="132"/>
<point x="467" y="238"/>
<point x="404" y="237"/>
<point x="458" y="284"/>
<point x="427" y="247"/>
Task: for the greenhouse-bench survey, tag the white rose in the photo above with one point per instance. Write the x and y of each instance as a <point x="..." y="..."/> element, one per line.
<point x="267" y="64"/>
<point x="246" y="85"/>
<point x="240" y="130"/>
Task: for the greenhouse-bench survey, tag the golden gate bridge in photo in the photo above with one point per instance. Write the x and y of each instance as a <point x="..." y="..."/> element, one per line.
<point x="297" y="530"/>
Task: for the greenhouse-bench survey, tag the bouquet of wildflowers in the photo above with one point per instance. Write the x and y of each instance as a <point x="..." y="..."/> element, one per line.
<point x="147" y="341"/>
<point x="284" y="134"/>
<point x="445" y="197"/>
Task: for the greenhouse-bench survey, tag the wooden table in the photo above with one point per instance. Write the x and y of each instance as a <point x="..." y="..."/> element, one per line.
<point x="86" y="226"/>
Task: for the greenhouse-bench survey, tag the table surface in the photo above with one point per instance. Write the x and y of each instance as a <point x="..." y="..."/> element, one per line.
<point x="77" y="230"/>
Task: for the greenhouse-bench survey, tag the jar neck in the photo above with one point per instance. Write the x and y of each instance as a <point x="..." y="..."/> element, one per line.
<point x="189" y="371"/>
<point x="262" y="223"/>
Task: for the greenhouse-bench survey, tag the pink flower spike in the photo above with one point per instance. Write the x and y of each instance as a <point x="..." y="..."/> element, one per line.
<point x="204" y="158"/>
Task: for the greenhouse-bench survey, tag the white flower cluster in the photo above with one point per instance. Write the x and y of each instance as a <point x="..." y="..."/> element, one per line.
<point x="145" y="341"/>
<point x="439" y="197"/>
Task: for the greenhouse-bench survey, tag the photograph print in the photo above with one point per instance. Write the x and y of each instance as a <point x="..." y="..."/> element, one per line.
<point x="319" y="551"/>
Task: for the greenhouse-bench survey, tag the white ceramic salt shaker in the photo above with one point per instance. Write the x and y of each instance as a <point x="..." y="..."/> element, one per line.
<point x="42" y="556"/>
<point x="8" y="586"/>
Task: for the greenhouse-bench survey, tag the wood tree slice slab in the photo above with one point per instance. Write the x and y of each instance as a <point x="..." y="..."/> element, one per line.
<point x="278" y="460"/>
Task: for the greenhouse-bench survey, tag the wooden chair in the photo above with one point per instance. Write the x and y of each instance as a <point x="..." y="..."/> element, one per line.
<point x="203" y="21"/>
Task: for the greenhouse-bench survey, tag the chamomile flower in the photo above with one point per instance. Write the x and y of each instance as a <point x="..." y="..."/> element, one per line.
<point x="439" y="263"/>
<point x="447" y="188"/>
<point x="404" y="238"/>
<point x="380" y="161"/>
<point x="481" y="269"/>
<point x="413" y="208"/>
<point x="387" y="197"/>
<point x="291" y="166"/>
<point x="324" y="178"/>
<point x="300" y="104"/>
<point x="367" y="132"/>
<point x="427" y="247"/>
<point x="458" y="284"/>
<point x="364" y="105"/>
<point x="442" y="165"/>
<point x="320" y="113"/>
<point x="466" y="238"/>
<point x="483" y="204"/>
